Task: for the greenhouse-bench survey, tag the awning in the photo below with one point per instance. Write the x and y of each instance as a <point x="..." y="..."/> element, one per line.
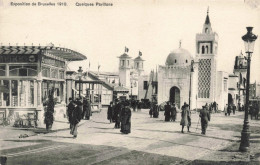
<point x="121" y="89"/>
<point x="67" y="54"/>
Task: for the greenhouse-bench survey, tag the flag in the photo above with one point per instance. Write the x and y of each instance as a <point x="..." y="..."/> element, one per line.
<point x="126" y="49"/>
<point x="140" y="53"/>
<point x="89" y="64"/>
<point x="98" y="66"/>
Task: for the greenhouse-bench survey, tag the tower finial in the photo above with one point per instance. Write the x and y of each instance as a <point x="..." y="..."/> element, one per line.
<point x="208" y="11"/>
<point x="180" y="44"/>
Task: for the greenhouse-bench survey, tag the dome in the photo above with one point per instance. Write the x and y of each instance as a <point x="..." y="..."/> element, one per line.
<point x="179" y="57"/>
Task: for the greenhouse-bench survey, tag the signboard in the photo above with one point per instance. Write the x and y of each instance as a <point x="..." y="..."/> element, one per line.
<point x="18" y="58"/>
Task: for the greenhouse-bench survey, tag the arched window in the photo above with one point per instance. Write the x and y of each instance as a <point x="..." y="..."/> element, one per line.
<point x="203" y="50"/>
<point x="186" y="61"/>
<point x="207" y="49"/>
<point x="175" y="61"/>
<point x="206" y="30"/>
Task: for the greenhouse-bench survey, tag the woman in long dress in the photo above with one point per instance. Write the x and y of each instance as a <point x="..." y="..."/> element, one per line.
<point x="126" y="119"/>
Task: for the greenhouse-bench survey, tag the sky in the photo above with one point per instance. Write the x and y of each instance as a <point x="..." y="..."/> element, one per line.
<point x="153" y="27"/>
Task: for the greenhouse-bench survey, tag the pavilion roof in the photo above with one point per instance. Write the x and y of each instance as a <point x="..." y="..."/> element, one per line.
<point x="65" y="53"/>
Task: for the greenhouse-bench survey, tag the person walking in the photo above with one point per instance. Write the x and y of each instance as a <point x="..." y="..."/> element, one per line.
<point x="76" y="117"/>
<point x="49" y="117"/>
<point x="167" y="112"/>
<point x="173" y="112"/>
<point x="134" y="105"/>
<point x="139" y="105"/>
<point x="126" y="119"/>
<point x="234" y="109"/>
<point x="215" y="106"/>
<point x="185" y="117"/>
<point x="110" y="112"/>
<point x="229" y="109"/>
<point x="156" y="111"/>
<point x="226" y="109"/>
<point x="151" y="110"/>
<point x="70" y="108"/>
<point x="117" y="114"/>
<point x="204" y="118"/>
<point x="84" y="107"/>
<point x="88" y="109"/>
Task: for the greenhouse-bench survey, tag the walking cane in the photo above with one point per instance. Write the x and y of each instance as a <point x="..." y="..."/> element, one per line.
<point x="197" y="124"/>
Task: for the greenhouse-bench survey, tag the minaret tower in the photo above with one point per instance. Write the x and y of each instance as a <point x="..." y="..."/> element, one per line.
<point x="124" y="68"/>
<point x="139" y="64"/>
<point x="206" y="55"/>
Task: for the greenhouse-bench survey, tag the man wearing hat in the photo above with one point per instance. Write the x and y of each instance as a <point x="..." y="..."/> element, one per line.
<point x="117" y="113"/>
<point x="167" y="112"/>
<point x="173" y="112"/>
<point x="185" y="117"/>
<point x="88" y="112"/>
<point x="76" y="117"/>
<point x="204" y="118"/>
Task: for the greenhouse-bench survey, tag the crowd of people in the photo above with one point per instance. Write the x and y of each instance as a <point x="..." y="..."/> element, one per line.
<point x="120" y="113"/>
<point x="76" y="111"/>
<point x="254" y="110"/>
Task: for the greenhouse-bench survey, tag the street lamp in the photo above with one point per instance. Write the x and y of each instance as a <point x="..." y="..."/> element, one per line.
<point x="80" y="76"/>
<point x="191" y="71"/>
<point x="249" y="40"/>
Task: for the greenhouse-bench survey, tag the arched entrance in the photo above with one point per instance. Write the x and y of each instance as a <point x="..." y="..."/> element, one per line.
<point x="230" y="99"/>
<point x="175" y="96"/>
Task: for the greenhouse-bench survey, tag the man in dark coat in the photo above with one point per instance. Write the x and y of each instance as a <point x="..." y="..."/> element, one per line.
<point x="110" y="112"/>
<point x="167" y="112"/>
<point x="204" y="118"/>
<point x="151" y="110"/>
<point x="126" y="119"/>
<point x="215" y="106"/>
<point x="185" y="117"/>
<point x="70" y="108"/>
<point x="88" y="109"/>
<point x="173" y="112"/>
<point x="76" y="117"/>
<point x="229" y="109"/>
<point x="134" y="105"/>
<point x="155" y="111"/>
<point x="234" y="109"/>
<point x="117" y="113"/>
<point x="84" y="107"/>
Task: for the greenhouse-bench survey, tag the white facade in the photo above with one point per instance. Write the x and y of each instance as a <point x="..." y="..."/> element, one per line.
<point x="176" y="82"/>
<point x="130" y="70"/>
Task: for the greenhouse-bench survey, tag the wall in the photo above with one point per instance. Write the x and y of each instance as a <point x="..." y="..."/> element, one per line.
<point x="222" y="89"/>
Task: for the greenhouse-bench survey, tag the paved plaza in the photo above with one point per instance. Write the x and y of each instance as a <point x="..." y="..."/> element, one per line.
<point x="151" y="141"/>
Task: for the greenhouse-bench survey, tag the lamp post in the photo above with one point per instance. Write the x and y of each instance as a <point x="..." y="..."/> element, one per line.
<point x="249" y="40"/>
<point x="80" y="76"/>
<point x="191" y="71"/>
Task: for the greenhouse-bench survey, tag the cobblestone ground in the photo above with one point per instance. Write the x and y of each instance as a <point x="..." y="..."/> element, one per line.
<point x="151" y="141"/>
